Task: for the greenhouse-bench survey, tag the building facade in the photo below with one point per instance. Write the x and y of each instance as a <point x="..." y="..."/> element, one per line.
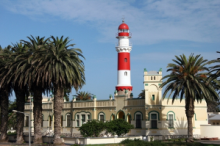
<point x="151" y="115"/>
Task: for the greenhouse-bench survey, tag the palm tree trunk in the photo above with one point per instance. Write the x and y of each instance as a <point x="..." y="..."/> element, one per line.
<point x="37" y="115"/>
<point x="58" y="106"/>
<point x="4" y="93"/>
<point x="20" y="96"/>
<point x="189" y="115"/>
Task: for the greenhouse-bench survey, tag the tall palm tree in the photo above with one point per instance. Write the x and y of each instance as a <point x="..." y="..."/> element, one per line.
<point x="30" y="77"/>
<point x="214" y="75"/>
<point x="188" y="80"/>
<point x="5" y="91"/>
<point x="62" y="68"/>
<point x="21" y="90"/>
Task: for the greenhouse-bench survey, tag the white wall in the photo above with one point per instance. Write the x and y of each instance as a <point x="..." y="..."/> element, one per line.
<point x="210" y="131"/>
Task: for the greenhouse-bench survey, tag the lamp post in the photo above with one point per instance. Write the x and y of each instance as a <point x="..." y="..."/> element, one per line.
<point x="15" y="111"/>
<point x="31" y="110"/>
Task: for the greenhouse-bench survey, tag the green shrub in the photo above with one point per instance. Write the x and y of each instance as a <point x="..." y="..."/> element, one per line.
<point x="92" y="128"/>
<point x="118" y="127"/>
<point x="11" y="133"/>
<point x="75" y="145"/>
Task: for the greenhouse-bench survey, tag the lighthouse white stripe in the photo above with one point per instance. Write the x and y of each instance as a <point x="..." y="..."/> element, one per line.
<point x="124" y="78"/>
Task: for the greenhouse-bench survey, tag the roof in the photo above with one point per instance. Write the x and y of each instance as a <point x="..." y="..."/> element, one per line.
<point x="215" y="117"/>
<point x="123" y="26"/>
<point x="152" y="73"/>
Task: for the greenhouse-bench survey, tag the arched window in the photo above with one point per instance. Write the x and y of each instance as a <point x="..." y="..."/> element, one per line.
<point x="112" y="117"/>
<point x="50" y="121"/>
<point x="80" y="118"/>
<point x="68" y="120"/>
<point x="83" y="118"/>
<point x="170" y="120"/>
<point x="89" y="118"/>
<point x="154" y="78"/>
<point x="27" y="121"/>
<point x="129" y="119"/>
<point x="153" y="117"/>
<point x="42" y="121"/>
<point x="138" y="118"/>
<point x="77" y="120"/>
<point x="125" y="59"/>
<point x="61" y="121"/>
<point x="101" y="117"/>
<point x="151" y="78"/>
<point x="153" y="97"/>
<point x="125" y="73"/>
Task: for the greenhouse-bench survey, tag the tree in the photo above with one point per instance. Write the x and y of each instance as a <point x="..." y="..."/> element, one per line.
<point x="92" y="128"/>
<point x="62" y="69"/>
<point x="82" y="95"/>
<point x="15" y="77"/>
<point x="213" y="106"/>
<point x="118" y="127"/>
<point x="32" y="77"/>
<point x="142" y="94"/>
<point x="5" y="91"/>
<point x="188" y="80"/>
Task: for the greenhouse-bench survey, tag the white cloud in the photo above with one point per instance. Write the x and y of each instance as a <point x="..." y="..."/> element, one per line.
<point x="150" y="21"/>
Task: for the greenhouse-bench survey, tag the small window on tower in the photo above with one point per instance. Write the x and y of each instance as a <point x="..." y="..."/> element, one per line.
<point x="125" y="59"/>
<point x="125" y="73"/>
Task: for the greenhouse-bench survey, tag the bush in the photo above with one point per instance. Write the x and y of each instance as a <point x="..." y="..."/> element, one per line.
<point x="92" y="128"/>
<point x="118" y="127"/>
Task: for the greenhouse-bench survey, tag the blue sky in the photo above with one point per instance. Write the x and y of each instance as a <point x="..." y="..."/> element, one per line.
<point x="160" y="30"/>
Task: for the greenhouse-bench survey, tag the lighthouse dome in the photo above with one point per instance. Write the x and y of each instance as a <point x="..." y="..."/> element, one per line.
<point x="123" y="26"/>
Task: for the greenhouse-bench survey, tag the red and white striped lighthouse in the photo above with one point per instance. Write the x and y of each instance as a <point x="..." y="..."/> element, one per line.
<point x="123" y="48"/>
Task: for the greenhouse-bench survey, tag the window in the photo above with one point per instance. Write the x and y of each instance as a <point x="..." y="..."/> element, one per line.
<point x="153" y="121"/>
<point x="153" y="97"/>
<point x="61" y="121"/>
<point x="27" y="121"/>
<point x="213" y="123"/>
<point x="154" y="78"/>
<point x="83" y="119"/>
<point x="170" y="121"/>
<point x="102" y="118"/>
<point x="138" y="121"/>
<point x="88" y="116"/>
<point x="125" y="73"/>
<point x="77" y="120"/>
<point x="129" y="119"/>
<point x="42" y="121"/>
<point x="217" y="123"/>
<point x="68" y="117"/>
<point x="125" y="59"/>
<point x="50" y="121"/>
<point x="151" y="78"/>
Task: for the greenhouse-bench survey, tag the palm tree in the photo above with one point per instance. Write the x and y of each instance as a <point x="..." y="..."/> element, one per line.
<point x="21" y="90"/>
<point x="62" y="69"/>
<point x="187" y="80"/>
<point x="82" y="95"/>
<point x="142" y="94"/>
<point x="30" y="76"/>
<point x="5" y="90"/>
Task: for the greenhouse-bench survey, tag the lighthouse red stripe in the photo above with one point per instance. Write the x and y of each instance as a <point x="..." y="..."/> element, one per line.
<point x="123" y="61"/>
<point x="118" y="88"/>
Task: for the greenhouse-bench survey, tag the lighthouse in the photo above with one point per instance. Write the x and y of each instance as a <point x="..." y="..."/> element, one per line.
<point x="123" y="48"/>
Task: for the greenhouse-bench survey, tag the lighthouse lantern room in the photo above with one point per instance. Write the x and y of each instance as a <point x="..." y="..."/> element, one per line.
<point x="123" y="48"/>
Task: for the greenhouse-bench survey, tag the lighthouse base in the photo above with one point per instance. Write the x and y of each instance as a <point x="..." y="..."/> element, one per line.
<point x="125" y="93"/>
